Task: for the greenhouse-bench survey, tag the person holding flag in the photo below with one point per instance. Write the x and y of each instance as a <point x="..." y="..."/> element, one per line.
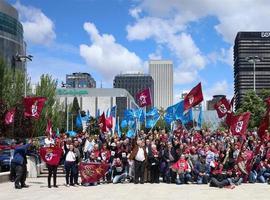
<point x="51" y="156"/>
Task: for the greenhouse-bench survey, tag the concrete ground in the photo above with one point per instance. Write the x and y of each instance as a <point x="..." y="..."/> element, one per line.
<point x="38" y="190"/>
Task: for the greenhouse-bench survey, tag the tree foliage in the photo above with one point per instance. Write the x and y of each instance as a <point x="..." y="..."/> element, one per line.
<point x="52" y="108"/>
<point x="255" y="105"/>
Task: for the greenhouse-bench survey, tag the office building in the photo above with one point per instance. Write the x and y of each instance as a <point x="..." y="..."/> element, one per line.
<point x="11" y="35"/>
<point x="80" y="80"/>
<point x="162" y="74"/>
<point x="97" y="99"/>
<point x="251" y="63"/>
<point x="134" y="83"/>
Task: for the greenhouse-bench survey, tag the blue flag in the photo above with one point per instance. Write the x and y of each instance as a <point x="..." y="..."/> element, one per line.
<point x="124" y="123"/>
<point x="79" y="120"/>
<point x="200" y="118"/>
<point x="117" y="128"/>
<point x="113" y="111"/>
<point x="152" y="116"/>
<point x="185" y="117"/>
<point x="170" y="114"/>
<point x="88" y="114"/>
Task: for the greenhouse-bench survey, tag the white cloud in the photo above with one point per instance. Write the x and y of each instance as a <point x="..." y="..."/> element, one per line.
<point x="233" y="16"/>
<point x="219" y="88"/>
<point x="170" y="33"/>
<point x="106" y="56"/>
<point x="135" y="12"/>
<point x="166" y="22"/>
<point x="38" y="28"/>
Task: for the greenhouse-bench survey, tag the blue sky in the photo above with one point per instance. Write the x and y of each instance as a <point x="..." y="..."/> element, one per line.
<point x="107" y="37"/>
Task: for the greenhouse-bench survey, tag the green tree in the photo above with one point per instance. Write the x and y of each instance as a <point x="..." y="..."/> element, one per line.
<point x="264" y="94"/>
<point x="254" y="104"/>
<point x="52" y="108"/>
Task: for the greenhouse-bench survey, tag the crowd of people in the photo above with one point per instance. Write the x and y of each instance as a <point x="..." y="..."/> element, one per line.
<point x="216" y="158"/>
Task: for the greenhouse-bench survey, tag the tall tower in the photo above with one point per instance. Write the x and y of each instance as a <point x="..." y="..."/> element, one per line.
<point x="11" y="35"/>
<point x="162" y="74"/>
<point x="251" y="63"/>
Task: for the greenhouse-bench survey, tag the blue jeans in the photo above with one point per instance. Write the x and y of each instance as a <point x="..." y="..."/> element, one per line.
<point x="119" y="178"/>
<point x="253" y="177"/>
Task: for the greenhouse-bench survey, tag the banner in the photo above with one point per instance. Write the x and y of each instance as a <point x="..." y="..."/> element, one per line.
<point x="194" y="97"/>
<point x="33" y="106"/>
<point x="92" y="172"/>
<point x="9" y="117"/>
<point x="239" y="123"/>
<point x="264" y="125"/>
<point x="144" y="98"/>
<point x="222" y="107"/>
<point x="51" y="155"/>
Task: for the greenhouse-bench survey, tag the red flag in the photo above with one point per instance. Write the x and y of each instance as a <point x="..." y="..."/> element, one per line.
<point x="264" y="125"/>
<point x="9" y="117"/>
<point x="49" y="128"/>
<point x="109" y="122"/>
<point x="268" y="101"/>
<point x="144" y="98"/>
<point x="102" y="123"/>
<point x="222" y="107"/>
<point x="194" y="97"/>
<point x="33" y="106"/>
<point x="51" y="155"/>
<point x="92" y="172"/>
<point x="239" y="123"/>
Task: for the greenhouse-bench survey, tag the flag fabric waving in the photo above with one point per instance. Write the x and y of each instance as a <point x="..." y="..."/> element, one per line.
<point x="49" y="130"/>
<point x="239" y="123"/>
<point x="264" y="125"/>
<point x="109" y="122"/>
<point x="33" y="106"/>
<point x="102" y="123"/>
<point x="92" y="172"/>
<point x="222" y="107"/>
<point x="79" y="120"/>
<point x="200" y="118"/>
<point x="9" y="116"/>
<point x="113" y="111"/>
<point x="51" y="155"/>
<point x="194" y="97"/>
<point x="152" y="116"/>
<point x="144" y="98"/>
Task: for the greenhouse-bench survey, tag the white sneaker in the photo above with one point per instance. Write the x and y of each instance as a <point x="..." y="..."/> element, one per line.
<point x="67" y="185"/>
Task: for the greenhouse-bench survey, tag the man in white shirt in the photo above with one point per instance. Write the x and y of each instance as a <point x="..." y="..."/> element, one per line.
<point x="139" y="156"/>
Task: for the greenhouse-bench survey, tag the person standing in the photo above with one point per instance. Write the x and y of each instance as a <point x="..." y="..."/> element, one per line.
<point x="52" y="160"/>
<point x="19" y="162"/>
<point x="139" y="156"/>
<point x="154" y="162"/>
<point x="70" y="164"/>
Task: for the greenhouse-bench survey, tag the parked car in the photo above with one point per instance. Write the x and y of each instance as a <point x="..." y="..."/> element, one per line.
<point x="5" y="159"/>
<point x="6" y="143"/>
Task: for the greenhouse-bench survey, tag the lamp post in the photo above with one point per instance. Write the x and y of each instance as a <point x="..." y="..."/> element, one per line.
<point x="253" y="60"/>
<point x="23" y="58"/>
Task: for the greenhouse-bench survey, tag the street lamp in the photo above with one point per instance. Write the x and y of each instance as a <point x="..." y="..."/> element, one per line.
<point x="23" y="58"/>
<point x="253" y="60"/>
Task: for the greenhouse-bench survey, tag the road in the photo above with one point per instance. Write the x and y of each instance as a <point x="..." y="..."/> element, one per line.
<point x="38" y="190"/>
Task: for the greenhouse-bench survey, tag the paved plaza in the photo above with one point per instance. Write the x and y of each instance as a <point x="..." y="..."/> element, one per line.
<point x="38" y="190"/>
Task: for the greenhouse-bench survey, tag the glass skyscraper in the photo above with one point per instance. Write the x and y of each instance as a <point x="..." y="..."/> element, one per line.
<point x="11" y="35"/>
